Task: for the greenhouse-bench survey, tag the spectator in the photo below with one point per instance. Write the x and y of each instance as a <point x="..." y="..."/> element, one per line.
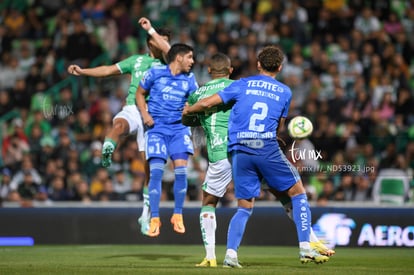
<point x="403" y="108"/>
<point x="136" y="191"/>
<point x="10" y="72"/>
<point x="27" y="167"/>
<point x="78" y="44"/>
<point x="392" y="25"/>
<point x="82" y="130"/>
<point x="37" y="118"/>
<point x="6" y="104"/>
<point x="29" y="190"/>
<point x="345" y="190"/>
<point x="21" y="96"/>
<point x="363" y="189"/>
<point x="81" y="192"/>
<point x="57" y="190"/>
<point x="386" y="107"/>
<point x="327" y="194"/>
<point x="367" y="23"/>
<point x="121" y="183"/>
<point x="92" y="163"/>
<point x="122" y="21"/>
<point x="98" y="182"/>
<point x="108" y="193"/>
<point x="15" y="22"/>
<point x="47" y="153"/>
<point x="7" y="193"/>
<point x="34" y="137"/>
<point x="15" y="145"/>
<point x="102" y="126"/>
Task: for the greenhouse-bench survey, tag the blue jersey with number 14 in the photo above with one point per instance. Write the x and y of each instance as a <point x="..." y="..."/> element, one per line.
<point x="259" y="103"/>
<point x="167" y="95"/>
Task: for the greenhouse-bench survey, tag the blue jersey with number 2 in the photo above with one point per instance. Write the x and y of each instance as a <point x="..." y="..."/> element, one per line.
<point x="259" y="103"/>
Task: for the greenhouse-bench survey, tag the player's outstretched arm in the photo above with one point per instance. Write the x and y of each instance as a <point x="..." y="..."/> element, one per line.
<point x="160" y="42"/>
<point x="202" y="105"/>
<point x="100" y="71"/>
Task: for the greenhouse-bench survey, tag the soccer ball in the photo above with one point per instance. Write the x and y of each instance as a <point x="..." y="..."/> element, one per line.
<point x="300" y="127"/>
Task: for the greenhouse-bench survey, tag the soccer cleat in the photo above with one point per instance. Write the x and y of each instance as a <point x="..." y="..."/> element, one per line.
<point x="322" y="248"/>
<point x="312" y="256"/>
<point x="107" y="151"/>
<point x="154" y="228"/>
<point x="144" y="224"/>
<point x="207" y="263"/>
<point x="178" y="224"/>
<point x="230" y="262"/>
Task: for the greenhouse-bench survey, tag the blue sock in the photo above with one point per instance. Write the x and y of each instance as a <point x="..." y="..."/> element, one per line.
<point x="302" y="217"/>
<point x="180" y="188"/>
<point x="154" y="186"/>
<point x="237" y="226"/>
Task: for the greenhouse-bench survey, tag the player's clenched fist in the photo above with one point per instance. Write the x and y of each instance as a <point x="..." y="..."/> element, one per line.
<point x="74" y="69"/>
<point x="145" y="23"/>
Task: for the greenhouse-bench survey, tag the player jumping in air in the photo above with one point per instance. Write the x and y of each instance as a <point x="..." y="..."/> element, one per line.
<point x="128" y="120"/>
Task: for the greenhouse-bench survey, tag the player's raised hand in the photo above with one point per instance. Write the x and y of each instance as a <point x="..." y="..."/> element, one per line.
<point x="75" y="70"/>
<point x="145" y="23"/>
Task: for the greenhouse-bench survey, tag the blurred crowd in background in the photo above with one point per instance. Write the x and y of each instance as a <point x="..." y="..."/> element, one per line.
<point x="350" y="66"/>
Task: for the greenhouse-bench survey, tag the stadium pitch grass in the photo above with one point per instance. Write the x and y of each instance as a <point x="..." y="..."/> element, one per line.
<point x="181" y="259"/>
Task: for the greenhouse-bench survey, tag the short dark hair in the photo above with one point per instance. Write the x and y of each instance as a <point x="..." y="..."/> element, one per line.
<point x="178" y="49"/>
<point x="162" y="32"/>
<point x="270" y="58"/>
<point x="220" y="64"/>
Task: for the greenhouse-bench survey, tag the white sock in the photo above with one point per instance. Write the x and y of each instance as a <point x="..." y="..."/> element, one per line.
<point x="231" y="253"/>
<point x="304" y="246"/>
<point x="208" y="226"/>
<point x="313" y="237"/>
<point x="145" y="206"/>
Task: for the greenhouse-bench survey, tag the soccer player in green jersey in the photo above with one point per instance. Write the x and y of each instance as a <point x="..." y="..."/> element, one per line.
<point x="215" y="125"/>
<point x="129" y="120"/>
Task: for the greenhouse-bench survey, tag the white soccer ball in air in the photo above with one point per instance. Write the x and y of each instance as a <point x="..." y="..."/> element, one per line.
<point x="300" y="127"/>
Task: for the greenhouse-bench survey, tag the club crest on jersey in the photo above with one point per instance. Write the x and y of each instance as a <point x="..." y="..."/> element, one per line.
<point x="184" y="85"/>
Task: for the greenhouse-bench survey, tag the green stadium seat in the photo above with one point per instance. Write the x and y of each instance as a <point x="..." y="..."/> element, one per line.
<point x="392" y="186"/>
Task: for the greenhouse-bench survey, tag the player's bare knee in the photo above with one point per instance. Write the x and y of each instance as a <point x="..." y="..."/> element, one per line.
<point x="120" y="127"/>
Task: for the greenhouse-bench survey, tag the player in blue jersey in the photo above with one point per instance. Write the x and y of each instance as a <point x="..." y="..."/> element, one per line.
<point x="168" y="88"/>
<point x="261" y="105"/>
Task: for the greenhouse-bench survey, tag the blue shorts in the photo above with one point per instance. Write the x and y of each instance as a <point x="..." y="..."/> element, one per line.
<point x="162" y="146"/>
<point x="249" y="170"/>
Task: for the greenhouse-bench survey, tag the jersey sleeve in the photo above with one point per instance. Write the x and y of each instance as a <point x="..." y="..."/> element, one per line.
<point x="193" y="84"/>
<point x="230" y="92"/>
<point x="287" y="105"/>
<point x="147" y="80"/>
<point x="125" y="66"/>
